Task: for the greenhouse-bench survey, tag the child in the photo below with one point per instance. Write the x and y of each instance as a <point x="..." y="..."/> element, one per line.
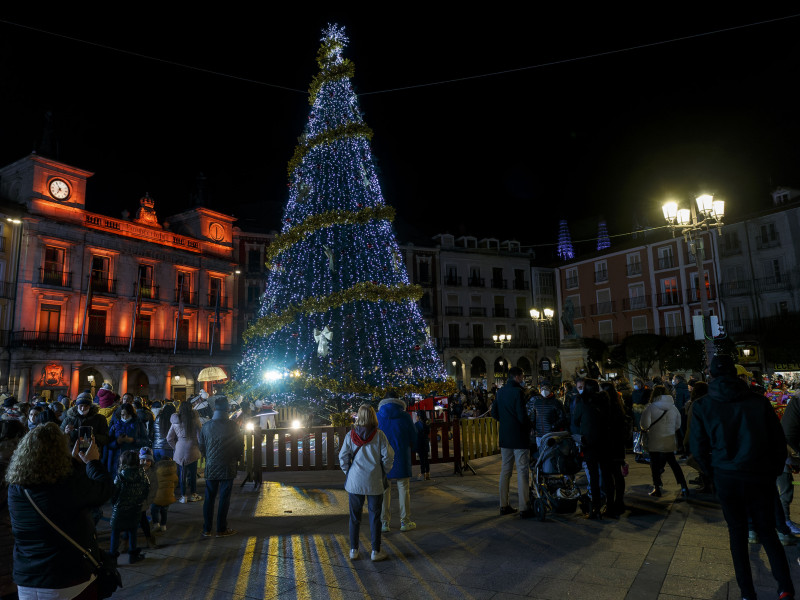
<point x="130" y="490"/>
<point x="146" y="462"/>
<point x="167" y="476"/>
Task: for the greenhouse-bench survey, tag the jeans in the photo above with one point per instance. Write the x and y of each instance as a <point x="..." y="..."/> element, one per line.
<point x="741" y="494"/>
<point x="522" y="459"/>
<point x="786" y="494"/>
<point x="657" y="461"/>
<point x="424" y="462"/>
<point x="404" y="495"/>
<point x="159" y="514"/>
<point x="213" y="486"/>
<point x="188" y="474"/>
<point x="601" y="477"/>
<point x="374" y="504"/>
<point x="131" y="540"/>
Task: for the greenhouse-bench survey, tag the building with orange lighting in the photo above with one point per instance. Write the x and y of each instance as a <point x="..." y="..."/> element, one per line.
<point x="87" y="298"/>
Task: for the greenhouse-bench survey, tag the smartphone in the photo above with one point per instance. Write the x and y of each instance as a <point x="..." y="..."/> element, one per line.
<point x="85" y="437"/>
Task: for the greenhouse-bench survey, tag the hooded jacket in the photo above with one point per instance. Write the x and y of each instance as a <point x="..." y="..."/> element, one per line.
<point x="166" y="470"/>
<point x="396" y="423"/>
<point x="661" y="436"/>
<point x="130" y="489"/>
<point x="187" y="450"/>
<point x="93" y="419"/>
<point x="547" y="414"/>
<point x="735" y="430"/>
<point x="363" y="466"/>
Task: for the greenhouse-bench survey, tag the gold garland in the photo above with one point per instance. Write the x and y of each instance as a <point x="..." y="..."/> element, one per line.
<point x="343" y="70"/>
<point x="329" y="135"/>
<point x="322" y="220"/>
<point x="364" y="290"/>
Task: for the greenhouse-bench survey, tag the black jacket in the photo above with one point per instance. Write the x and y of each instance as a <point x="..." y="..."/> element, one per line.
<point x="736" y="430"/>
<point x="509" y="408"/>
<point x="94" y="420"/>
<point x="546" y="415"/>
<point x="160" y="436"/>
<point x="42" y="557"/>
<point x="791" y="424"/>
<point x="130" y="489"/>
<point x="222" y="445"/>
<point x="594" y="423"/>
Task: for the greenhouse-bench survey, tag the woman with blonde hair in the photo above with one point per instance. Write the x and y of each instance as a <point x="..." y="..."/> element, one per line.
<point x="184" y="437"/>
<point x="65" y="486"/>
<point x="365" y="458"/>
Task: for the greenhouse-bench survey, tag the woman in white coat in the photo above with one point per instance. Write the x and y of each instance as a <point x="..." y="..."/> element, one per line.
<point x="661" y="419"/>
<point x="365" y="450"/>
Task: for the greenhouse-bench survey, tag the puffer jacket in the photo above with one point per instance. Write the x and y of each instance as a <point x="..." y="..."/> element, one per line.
<point x="167" y="474"/>
<point x="133" y="428"/>
<point x="364" y="474"/>
<point x="661" y="436"/>
<point x="546" y="415"/>
<point x="130" y="490"/>
<point x="396" y="423"/>
<point x="107" y="413"/>
<point x="68" y="504"/>
<point x="94" y="420"/>
<point x="735" y="430"/>
<point x="160" y="437"/>
<point x="222" y="445"/>
<point x="187" y="450"/>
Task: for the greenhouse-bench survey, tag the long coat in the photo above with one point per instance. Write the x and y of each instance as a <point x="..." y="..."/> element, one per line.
<point x="396" y="423"/>
<point x="187" y="450"/>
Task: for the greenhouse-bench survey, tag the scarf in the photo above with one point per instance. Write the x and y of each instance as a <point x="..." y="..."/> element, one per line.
<point x="361" y="436"/>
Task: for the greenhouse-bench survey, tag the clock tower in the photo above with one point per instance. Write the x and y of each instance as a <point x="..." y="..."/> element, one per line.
<point x="39" y="182"/>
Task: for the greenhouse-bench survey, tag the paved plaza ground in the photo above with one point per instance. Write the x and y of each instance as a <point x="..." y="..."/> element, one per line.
<point x="292" y="542"/>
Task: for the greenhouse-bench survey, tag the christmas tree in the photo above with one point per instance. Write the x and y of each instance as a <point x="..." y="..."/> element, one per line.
<point x="339" y="318"/>
<point x="565" y="250"/>
<point x="603" y="241"/>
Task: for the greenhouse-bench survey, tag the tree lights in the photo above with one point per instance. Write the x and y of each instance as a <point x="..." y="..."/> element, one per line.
<point x="336" y="267"/>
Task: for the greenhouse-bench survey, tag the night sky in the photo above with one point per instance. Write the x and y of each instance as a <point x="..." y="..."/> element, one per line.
<point x="156" y="98"/>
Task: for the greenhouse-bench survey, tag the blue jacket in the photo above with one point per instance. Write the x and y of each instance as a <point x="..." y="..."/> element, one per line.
<point x="396" y="423"/>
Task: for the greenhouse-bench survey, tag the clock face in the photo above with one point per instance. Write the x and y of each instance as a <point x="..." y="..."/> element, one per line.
<point x="59" y="189"/>
<point x="216" y="232"/>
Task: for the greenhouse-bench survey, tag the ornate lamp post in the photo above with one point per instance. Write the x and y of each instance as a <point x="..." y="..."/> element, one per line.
<point x="691" y="227"/>
<point x="502" y="339"/>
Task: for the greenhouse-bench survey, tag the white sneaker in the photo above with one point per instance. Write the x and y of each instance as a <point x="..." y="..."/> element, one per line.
<point x="182" y="499"/>
<point x="156" y="529"/>
<point x="353" y="553"/>
<point x="408" y="526"/>
<point x="379" y="555"/>
<point x="385" y="527"/>
<point x="163" y="528"/>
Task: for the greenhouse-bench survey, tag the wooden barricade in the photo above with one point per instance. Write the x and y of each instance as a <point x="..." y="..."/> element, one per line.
<point x="316" y="448"/>
<point x="479" y="438"/>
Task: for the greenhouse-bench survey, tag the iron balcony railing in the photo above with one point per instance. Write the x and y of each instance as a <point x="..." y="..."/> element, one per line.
<point x="477" y="311"/>
<point x="600" y="276"/>
<point x="63" y="341"/>
<point x="730" y="248"/>
<point x="189" y="297"/>
<point x="470" y="342"/>
<point x="774" y="283"/>
<point x="634" y="269"/>
<point x="672" y="298"/>
<point x="694" y="293"/>
<point x="772" y="240"/>
<point x="603" y="308"/>
<point x="636" y="303"/>
<point x="521" y="285"/>
<point x="452" y="281"/>
<point x="572" y="283"/>
<point x="737" y="288"/>
<point x="453" y="311"/>
<point x="476" y="282"/>
<point x="666" y="262"/>
<point x="55" y="278"/>
<point x="147" y="291"/>
<point x="103" y="284"/>
<point x="499" y="284"/>
<point x="499" y="311"/>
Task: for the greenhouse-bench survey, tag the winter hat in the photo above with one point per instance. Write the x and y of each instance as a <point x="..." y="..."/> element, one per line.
<point x="8" y="401"/>
<point x="146" y="453"/>
<point x="722" y="365"/>
<point x="106" y="398"/>
<point x="84" y="398"/>
<point x="107" y="386"/>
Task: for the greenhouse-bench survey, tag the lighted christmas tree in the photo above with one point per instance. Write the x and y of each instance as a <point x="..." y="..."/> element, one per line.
<point x="339" y="317"/>
<point x="565" y="250"/>
<point x="603" y="241"/>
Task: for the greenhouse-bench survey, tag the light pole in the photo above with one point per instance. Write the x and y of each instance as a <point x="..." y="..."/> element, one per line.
<point x="541" y="318"/>
<point x="502" y="339"/>
<point x="711" y="214"/>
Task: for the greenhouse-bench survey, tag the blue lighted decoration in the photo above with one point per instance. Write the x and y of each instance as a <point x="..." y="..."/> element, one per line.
<point x="603" y="241"/>
<point x="565" y="250"/>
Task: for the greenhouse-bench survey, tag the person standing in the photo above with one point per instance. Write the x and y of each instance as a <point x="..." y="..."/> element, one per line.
<point x="396" y="423"/>
<point x="737" y="438"/>
<point x="184" y="437"/>
<point x="593" y="418"/>
<point x="423" y="444"/>
<point x="222" y="446"/>
<point x="791" y="429"/>
<point x="514" y="430"/>
<point x="365" y="456"/>
<point x="662" y="420"/>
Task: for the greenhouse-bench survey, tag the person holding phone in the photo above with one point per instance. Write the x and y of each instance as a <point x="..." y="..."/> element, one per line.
<point x="85" y="414"/>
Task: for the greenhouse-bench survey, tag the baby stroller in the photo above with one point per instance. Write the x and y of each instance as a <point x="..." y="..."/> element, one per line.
<point x="553" y="487"/>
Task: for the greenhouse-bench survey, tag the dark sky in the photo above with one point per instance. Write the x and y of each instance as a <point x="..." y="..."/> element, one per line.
<point x="502" y="156"/>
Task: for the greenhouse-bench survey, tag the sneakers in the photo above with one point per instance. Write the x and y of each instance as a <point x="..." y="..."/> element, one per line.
<point x="207" y="534"/>
<point x="793" y="528"/>
<point x="195" y="498"/>
<point x="379" y="555"/>
<point x="226" y="533"/>
<point x="655" y="492"/>
<point x="182" y="499"/>
<point x="507" y="510"/>
<point x="752" y="537"/>
<point x="408" y="526"/>
<point x="787" y="539"/>
<point x="384" y="527"/>
<point x="353" y="553"/>
<point x="156" y="529"/>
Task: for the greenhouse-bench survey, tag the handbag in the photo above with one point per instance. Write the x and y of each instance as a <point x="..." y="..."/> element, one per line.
<point x="107" y="575"/>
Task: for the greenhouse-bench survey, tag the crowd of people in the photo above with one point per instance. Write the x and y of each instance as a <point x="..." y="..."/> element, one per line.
<point x="69" y="459"/>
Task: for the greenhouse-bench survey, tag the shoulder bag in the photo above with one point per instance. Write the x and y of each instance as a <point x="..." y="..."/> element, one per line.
<point x="646" y="432"/>
<point x="106" y="572"/>
<point x="383" y="471"/>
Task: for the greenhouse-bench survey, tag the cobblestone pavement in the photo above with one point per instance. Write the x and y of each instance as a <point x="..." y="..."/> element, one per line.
<point x="292" y="542"/>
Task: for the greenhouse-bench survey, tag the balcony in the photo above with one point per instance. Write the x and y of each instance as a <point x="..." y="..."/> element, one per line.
<point x="499" y="284"/>
<point x="694" y="293"/>
<point x="775" y="283"/>
<point x="424" y="281"/>
<point x="521" y="285"/>
<point x="477" y="311"/>
<point x="600" y="276"/>
<point x="634" y="269"/>
<point x="666" y="262"/>
<point x="741" y="326"/>
<point x="476" y="282"/>
<point x="673" y="331"/>
<point x="212" y="301"/>
<point x="485" y="343"/>
<point x="188" y="296"/>
<point x="731" y="248"/>
<point x="55" y="278"/>
<point x="602" y="308"/>
<point x="671" y="298"/>
<point x="737" y="288"/>
<point x="572" y="283"/>
<point x="147" y="291"/>
<point x="772" y="240"/>
<point x="499" y="311"/>
<point x="452" y="281"/>
<point x="42" y="340"/>
<point x="102" y="284"/>
<point x="453" y="311"/>
<point x="6" y="289"/>
<point x="636" y="303"/>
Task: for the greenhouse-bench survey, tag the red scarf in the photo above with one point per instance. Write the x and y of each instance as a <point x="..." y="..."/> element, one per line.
<point x="358" y="440"/>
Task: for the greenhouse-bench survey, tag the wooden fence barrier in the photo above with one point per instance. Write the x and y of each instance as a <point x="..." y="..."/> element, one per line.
<point x="479" y="438"/>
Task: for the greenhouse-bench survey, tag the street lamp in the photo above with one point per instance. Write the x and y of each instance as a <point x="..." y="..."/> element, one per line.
<point x="502" y="339"/>
<point x="687" y="221"/>
<point x="543" y="316"/>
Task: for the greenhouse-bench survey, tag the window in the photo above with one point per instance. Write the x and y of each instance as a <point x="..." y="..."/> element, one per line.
<point x="215" y="291"/>
<point x="254" y="261"/>
<point x="665" y="258"/>
<point x="572" y="278"/>
<point x="500" y="309"/>
<point x="673" y="325"/>
<point x="575" y="299"/>
<point x="519" y="280"/>
<point x="730" y="242"/>
<point x="522" y="334"/>
<point x="475" y="277"/>
<point x="695" y="292"/>
<point x="101" y="281"/>
<point x="639" y="324"/>
<point x="214" y="334"/>
<point x="455" y="337"/>
<point x="477" y="335"/>
<point x="547" y="284"/>
<point x="253" y="294"/>
<point x="53" y="270"/>
<point x="669" y="291"/>
<point x="600" y="271"/>
<point x="146" y="287"/>
<point x="634" y="262"/>
<point x="49" y="319"/>
<point x="605" y="331"/>
<point x="183" y="287"/>
<point x="96" y="327"/>
<point x="142" y="332"/>
<point x="452" y="275"/>
<point x="182" y="340"/>
<point x="604" y="305"/>
<point x="424" y="269"/>
<point x="636" y="297"/>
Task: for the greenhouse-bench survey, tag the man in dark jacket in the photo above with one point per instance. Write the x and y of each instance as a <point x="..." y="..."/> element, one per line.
<point x="85" y="414"/>
<point x="514" y="430"/>
<point x="396" y="423"/>
<point x="736" y="437"/>
<point x="791" y="429"/>
<point x="546" y="413"/>
<point x="222" y="446"/>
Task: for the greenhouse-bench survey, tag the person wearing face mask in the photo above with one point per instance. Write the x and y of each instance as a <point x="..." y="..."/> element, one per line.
<point x="85" y="414"/>
<point x="547" y="414"/>
<point x="128" y="433"/>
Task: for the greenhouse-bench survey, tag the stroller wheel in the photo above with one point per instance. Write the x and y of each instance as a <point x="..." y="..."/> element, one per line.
<point x="539" y="509"/>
